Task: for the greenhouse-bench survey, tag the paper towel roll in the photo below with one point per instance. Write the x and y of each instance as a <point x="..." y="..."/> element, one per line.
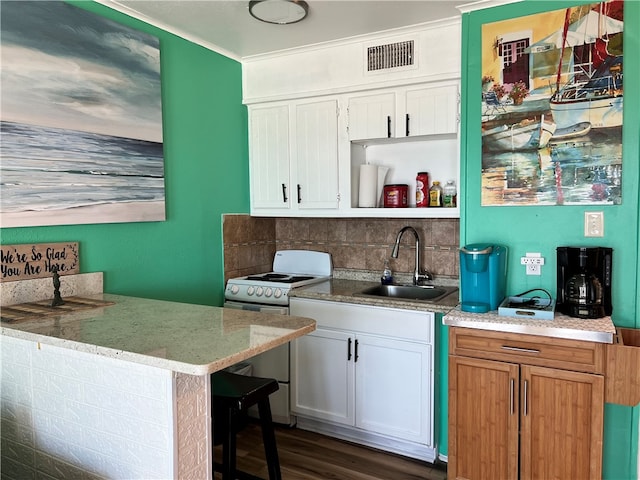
<point x="367" y="194"/>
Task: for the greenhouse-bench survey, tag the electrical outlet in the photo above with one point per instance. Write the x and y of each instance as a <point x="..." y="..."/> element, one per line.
<point x="594" y="224"/>
<point x="533" y="262"/>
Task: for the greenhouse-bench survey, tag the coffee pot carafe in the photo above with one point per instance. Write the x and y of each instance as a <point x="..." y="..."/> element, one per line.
<point x="584" y="281"/>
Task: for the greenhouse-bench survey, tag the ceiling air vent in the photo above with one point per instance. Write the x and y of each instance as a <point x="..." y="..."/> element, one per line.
<point x="392" y="55"/>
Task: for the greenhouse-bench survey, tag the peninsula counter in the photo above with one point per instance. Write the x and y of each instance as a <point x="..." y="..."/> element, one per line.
<point x="123" y="391"/>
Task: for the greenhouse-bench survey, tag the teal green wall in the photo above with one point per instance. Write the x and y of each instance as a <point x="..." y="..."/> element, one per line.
<point x="542" y="229"/>
<point x="206" y="174"/>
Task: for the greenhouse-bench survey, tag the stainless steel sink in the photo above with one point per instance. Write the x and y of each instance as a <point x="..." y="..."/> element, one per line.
<point x="425" y="293"/>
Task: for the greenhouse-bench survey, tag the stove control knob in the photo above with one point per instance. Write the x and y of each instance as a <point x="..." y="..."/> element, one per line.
<point x="259" y="291"/>
<point x="277" y="293"/>
<point x="234" y="289"/>
<point x="250" y="290"/>
<point x="268" y="291"/>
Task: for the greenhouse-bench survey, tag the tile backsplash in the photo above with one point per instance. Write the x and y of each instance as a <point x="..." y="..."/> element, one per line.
<point x="360" y="244"/>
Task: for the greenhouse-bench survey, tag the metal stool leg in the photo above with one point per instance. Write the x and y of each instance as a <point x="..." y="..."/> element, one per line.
<point x="269" y="440"/>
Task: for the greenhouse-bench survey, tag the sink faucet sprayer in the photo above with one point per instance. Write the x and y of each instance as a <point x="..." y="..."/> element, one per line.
<point x="417" y="275"/>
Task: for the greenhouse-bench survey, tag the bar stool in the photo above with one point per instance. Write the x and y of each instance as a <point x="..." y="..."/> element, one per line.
<point x="232" y="394"/>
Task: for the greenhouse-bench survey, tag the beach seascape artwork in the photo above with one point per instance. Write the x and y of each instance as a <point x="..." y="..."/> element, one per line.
<point x="80" y="118"/>
<point x="552" y="98"/>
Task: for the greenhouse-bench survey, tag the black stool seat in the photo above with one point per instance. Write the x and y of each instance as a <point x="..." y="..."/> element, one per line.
<point x="232" y="394"/>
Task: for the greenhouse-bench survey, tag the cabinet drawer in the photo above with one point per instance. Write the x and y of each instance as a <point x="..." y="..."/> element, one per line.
<point x="388" y="322"/>
<point x="552" y="352"/>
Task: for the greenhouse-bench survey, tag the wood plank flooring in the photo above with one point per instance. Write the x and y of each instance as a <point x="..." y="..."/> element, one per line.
<point x="310" y="456"/>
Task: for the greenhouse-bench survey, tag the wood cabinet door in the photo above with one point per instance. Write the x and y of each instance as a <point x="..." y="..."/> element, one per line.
<point x="393" y="391"/>
<point x="483" y="419"/>
<point x="317" y="155"/>
<point x="562" y="424"/>
<point x="269" y="158"/>
<point x="322" y="376"/>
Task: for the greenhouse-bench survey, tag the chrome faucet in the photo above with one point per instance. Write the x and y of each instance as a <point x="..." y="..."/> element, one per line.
<point x="417" y="275"/>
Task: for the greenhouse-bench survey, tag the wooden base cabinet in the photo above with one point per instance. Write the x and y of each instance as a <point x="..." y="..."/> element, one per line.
<point x="520" y="419"/>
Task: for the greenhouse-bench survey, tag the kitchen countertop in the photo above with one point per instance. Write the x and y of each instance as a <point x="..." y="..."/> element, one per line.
<point x="191" y="339"/>
<point x="341" y="290"/>
<point x="599" y="330"/>
<point x="562" y="326"/>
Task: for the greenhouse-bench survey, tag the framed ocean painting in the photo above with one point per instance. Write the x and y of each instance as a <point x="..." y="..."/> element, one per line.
<point x="552" y="104"/>
<point x="80" y="118"/>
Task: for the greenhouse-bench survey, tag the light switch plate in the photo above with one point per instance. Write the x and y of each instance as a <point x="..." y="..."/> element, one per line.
<point x="594" y="224"/>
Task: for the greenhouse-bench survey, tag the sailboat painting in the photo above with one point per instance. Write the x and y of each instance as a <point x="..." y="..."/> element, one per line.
<point x="552" y="107"/>
<point x="80" y="119"/>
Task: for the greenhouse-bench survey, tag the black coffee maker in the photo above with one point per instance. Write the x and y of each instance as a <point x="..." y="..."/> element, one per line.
<point x="584" y="281"/>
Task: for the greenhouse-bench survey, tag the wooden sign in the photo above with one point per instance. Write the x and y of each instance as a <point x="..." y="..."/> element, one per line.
<point x="24" y="262"/>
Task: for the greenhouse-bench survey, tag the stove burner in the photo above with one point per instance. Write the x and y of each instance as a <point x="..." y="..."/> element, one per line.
<point x="279" y="278"/>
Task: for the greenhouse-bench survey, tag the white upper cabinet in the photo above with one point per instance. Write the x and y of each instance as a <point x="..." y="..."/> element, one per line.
<point x="316" y="155"/>
<point x="405" y="112"/>
<point x="372" y="116"/>
<point x="317" y="113"/>
<point x="431" y="111"/>
<point x="269" y="157"/>
<point x="293" y="157"/>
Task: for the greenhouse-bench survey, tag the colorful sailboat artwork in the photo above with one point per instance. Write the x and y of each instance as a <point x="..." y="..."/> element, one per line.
<point x="525" y="135"/>
<point x="552" y="107"/>
<point x="598" y="99"/>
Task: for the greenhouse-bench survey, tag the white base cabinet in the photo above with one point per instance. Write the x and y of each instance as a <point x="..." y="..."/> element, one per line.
<point x="366" y="374"/>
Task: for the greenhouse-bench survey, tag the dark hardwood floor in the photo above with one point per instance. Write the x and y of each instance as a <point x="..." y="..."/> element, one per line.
<point x="310" y="456"/>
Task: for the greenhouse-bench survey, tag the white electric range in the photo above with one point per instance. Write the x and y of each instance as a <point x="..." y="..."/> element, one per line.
<point x="269" y="293"/>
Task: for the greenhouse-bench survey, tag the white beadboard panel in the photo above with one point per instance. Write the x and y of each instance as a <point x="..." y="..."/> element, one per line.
<point x="70" y="414"/>
<point x="340" y="67"/>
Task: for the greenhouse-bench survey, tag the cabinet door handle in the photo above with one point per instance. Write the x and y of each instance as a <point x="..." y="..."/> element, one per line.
<point x="284" y="193"/>
<point x="526" y="403"/>
<point x="388" y="126"/>
<point x="512" y="384"/>
<point x="349" y="349"/>
<point x="299" y="197"/>
<point x="355" y="357"/>
<point x="406" y="121"/>
<point x="520" y="349"/>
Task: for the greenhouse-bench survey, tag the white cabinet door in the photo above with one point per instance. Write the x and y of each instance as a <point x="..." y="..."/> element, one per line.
<point x="316" y="157"/>
<point x="269" y="157"/>
<point x="322" y="376"/>
<point x="427" y="110"/>
<point x="393" y="390"/>
<point x="372" y="116"/>
<point x="431" y="111"/>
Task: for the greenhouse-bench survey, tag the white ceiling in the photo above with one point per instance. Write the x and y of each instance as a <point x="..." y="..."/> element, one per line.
<point x="227" y="27"/>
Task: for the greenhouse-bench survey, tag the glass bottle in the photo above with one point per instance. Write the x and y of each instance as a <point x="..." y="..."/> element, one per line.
<point x="435" y="195"/>
<point x="450" y="195"/>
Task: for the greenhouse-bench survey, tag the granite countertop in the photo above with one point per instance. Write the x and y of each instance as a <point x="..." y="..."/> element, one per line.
<point x="342" y="290"/>
<point x="191" y="339"/>
<point x="562" y="326"/>
<point x="599" y="330"/>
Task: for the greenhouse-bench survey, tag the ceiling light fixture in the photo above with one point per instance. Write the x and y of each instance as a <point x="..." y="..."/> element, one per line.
<point x="280" y="12"/>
